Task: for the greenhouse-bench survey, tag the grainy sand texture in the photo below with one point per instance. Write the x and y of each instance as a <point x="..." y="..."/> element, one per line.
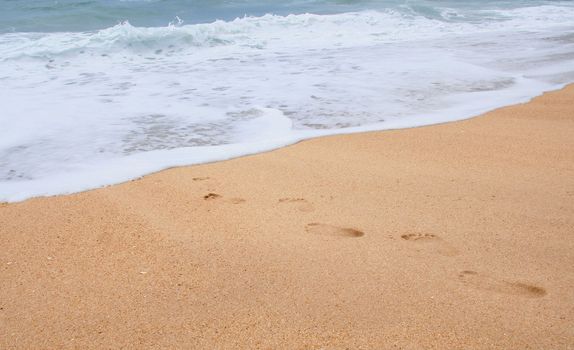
<point x="456" y="236"/>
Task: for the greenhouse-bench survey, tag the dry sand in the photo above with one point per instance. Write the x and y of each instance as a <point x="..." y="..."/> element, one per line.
<point x="451" y="236"/>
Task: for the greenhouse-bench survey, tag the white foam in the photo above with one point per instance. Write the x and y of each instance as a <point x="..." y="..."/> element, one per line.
<point x="84" y="110"/>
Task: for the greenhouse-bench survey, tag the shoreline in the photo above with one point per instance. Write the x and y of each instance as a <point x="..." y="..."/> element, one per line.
<point x="454" y="235"/>
<point x="133" y="166"/>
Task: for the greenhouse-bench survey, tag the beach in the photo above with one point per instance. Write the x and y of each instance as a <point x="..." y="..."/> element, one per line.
<point x="453" y="236"/>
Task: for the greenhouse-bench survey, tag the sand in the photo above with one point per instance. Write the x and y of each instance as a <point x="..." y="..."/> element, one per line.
<point x="455" y="236"/>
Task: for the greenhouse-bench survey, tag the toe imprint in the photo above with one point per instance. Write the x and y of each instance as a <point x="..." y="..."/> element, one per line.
<point x="211" y="196"/>
<point x="418" y="236"/>
<point x="432" y="242"/>
<point x="301" y="203"/>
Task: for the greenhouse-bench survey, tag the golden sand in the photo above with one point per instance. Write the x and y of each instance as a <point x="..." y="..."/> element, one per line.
<point x="452" y="236"/>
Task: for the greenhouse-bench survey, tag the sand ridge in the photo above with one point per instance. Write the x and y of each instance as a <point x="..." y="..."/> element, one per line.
<point x="450" y="236"/>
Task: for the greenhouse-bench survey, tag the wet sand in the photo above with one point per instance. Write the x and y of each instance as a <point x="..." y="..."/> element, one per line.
<point x="455" y="236"/>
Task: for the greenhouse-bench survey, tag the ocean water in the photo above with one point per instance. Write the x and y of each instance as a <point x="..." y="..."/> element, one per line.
<point x="97" y="92"/>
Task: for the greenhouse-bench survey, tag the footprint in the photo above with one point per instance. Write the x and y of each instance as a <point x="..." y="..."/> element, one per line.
<point x="237" y="200"/>
<point x="301" y="203"/>
<point x="211" y="196"/>
<point x="200" y="178"/>
<point x="214" y="196"/>
<point x="478" y="281"/>
<point x="431" y="241"/>
<point x="330" y="230"/>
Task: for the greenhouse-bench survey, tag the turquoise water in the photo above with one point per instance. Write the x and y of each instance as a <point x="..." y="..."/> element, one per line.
<point x="99" y="92"/>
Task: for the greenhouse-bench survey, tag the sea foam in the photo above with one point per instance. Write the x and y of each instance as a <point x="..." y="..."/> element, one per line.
<point x="85" y="109"/>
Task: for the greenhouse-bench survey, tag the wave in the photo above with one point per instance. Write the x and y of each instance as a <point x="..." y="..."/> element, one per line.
<point x="349" y="29"/>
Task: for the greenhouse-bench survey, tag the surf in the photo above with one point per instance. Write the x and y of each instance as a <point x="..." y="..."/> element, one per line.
<point x="84" y="109"/>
